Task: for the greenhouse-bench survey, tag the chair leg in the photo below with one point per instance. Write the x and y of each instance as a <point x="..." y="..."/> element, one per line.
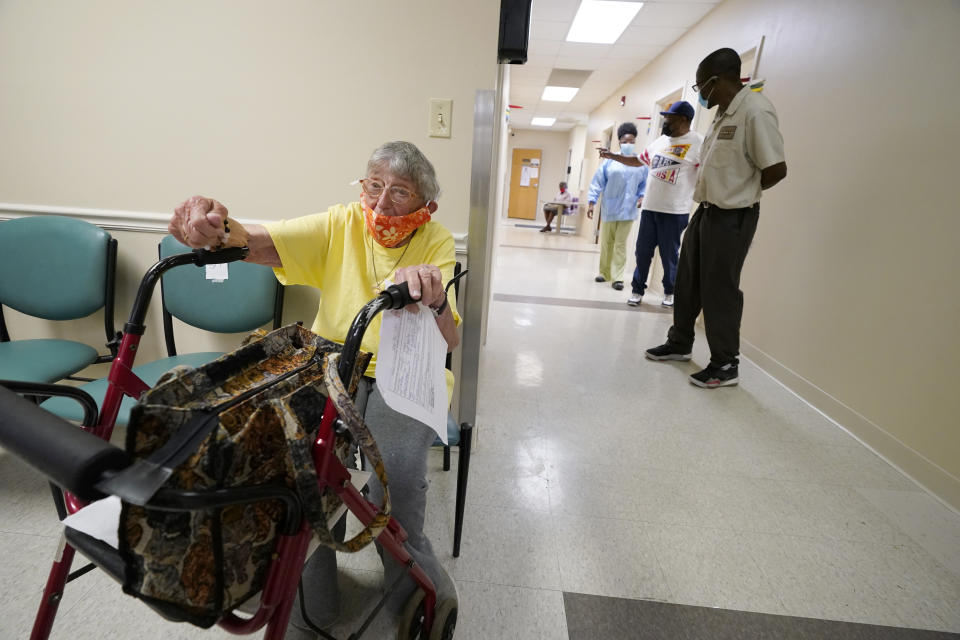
<point x="446" y="457"/>
<point x="463" y="468"/>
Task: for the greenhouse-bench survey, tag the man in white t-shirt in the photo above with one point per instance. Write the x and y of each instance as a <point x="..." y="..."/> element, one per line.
<point x="673" y="159"/>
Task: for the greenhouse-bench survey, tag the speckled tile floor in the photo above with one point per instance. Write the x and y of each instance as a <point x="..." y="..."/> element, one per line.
<point x="597" y="472"/>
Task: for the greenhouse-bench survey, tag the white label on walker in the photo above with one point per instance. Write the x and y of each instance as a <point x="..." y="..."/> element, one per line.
<point x="217" y="272"/>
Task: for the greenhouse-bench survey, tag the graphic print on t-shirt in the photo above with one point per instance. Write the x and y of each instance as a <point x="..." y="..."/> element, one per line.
<point x="663" y="167"/>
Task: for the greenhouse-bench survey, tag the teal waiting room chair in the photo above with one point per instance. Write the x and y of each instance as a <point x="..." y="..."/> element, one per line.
<point x="61" y="269"/>
<point x="247" y="299"/>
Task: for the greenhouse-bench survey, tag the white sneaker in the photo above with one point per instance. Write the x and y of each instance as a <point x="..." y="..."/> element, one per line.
<point x="634" y="299"/>
<point x="667" y="300"/>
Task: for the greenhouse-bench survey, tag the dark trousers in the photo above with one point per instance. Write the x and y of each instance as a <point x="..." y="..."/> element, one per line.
<point x="658" y="229"/>
<point x="708" y="278"/>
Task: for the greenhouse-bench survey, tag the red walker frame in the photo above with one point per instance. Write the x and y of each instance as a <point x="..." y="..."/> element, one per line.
<point x="280" y="588"/>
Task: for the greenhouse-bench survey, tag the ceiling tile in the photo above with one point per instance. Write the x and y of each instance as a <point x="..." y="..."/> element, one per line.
<point x="676" y="14"/>
<point x="663" y="36"/>
<point x="579" y="63"/>
<point x="568" y="77"/>
<point x="562" y="10"/>
<point x="582" y="50"/>
<point x="632" y="65"/>
<point x="548" y="30"/>
<point x="545" y="47"/>
<point x="607" y="74"/>
<point x="639" y="52"/>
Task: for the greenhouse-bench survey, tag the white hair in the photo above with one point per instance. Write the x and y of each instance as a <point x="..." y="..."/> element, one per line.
<point x="404" y="160"/>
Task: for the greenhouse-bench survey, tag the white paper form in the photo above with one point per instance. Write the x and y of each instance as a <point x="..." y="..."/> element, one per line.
<point x="410" y="367"/>
<point x="524" y="176"/>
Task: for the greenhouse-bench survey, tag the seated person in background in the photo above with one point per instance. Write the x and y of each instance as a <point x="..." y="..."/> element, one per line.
<point x="560" y="204"/>
<point x="349" y="252"/>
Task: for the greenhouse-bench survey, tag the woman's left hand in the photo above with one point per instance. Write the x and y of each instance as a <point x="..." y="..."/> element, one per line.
<point x="425" y="283"/>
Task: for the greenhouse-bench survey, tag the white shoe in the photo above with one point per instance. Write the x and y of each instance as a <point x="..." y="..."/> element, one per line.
<point x="634" y="299"/>
<point x="667" y="300"/>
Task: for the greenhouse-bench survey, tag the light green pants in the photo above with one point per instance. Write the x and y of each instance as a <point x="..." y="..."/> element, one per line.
<point x="613" y="248"/>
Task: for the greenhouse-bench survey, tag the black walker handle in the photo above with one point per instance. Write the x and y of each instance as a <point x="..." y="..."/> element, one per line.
<point x="72" y="458"/>
<point x="221" y="256"/>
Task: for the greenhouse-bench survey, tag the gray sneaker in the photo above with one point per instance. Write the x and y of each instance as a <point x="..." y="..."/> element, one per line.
<point x="634" y="299"/>
<point x="666" y="352"/>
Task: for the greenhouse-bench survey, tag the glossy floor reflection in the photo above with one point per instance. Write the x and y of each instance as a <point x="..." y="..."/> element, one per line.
<point x="598" y="472"/>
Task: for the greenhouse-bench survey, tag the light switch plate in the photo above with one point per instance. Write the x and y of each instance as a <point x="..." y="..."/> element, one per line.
<point x="441" y="112"/>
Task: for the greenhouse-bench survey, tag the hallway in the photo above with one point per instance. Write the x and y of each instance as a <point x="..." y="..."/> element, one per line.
<point x="597" y="472"/>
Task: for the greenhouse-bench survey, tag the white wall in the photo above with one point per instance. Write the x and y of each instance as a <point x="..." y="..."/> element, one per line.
<point x="273" y="108"/>
<point x="851" y="291"/>
<point x="578" y="145"/>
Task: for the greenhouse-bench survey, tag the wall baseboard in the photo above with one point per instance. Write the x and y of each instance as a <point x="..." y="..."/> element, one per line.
<point x="935" y="480"/>
<point x="138" y="221"/>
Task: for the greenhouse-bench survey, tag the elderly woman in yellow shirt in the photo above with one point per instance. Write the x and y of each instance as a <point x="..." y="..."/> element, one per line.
<point x="349" y="252"/>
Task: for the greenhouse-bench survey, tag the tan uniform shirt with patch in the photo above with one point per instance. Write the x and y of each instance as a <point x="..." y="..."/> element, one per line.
<point x="742" y="141"/>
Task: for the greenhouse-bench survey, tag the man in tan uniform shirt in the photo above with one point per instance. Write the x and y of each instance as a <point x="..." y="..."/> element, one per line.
<point x="742" y="155"/>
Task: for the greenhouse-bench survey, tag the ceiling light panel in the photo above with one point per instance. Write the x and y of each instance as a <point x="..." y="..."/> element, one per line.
<point x="602" y="21"/>
<point x="558" y="94"/>
<point x="543" y="122"/>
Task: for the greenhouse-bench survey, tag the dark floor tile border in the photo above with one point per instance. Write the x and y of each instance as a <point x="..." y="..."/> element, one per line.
<point x="602" y="618"/>
<point x="581" y="304"/>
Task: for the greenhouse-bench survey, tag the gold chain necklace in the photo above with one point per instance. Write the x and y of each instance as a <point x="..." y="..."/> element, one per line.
<point x="377" y="289"/>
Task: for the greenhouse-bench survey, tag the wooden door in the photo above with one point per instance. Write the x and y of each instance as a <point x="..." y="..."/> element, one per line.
<point x="524" y="184"/>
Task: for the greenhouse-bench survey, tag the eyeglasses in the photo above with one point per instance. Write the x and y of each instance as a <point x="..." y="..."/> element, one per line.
<point x="374" y="188"/>
<point x="697" y="87"/>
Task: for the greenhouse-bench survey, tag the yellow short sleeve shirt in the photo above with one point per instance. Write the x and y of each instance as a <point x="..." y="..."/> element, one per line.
<point x="333" y="252"/>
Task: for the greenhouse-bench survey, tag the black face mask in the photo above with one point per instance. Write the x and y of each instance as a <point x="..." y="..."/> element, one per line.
<point x="666" y="130"/>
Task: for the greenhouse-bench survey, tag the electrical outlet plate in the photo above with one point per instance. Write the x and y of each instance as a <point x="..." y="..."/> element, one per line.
<point x="441" y="112"/>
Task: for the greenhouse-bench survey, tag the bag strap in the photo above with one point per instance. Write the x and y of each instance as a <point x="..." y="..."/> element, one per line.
<point x="140" y="481"/>
<point x="351" y="417"/>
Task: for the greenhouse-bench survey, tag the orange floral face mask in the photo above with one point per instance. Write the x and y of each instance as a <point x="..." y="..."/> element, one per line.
<point x="389" y="231"/>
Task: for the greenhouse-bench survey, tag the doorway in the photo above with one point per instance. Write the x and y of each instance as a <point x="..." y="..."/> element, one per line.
<point x="524" y="184"/>
<point x="606" y="142"/>
<point x="662" y="105"/>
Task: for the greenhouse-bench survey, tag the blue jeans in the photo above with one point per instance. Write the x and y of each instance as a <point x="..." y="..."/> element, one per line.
<point x="663" y="230"/>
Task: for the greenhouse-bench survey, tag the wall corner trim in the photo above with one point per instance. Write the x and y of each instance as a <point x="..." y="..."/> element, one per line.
<point x="934" y="479"/>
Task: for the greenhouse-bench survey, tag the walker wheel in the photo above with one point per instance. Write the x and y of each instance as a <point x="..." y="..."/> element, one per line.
<point x="411" y="619"/>
<point x="445" y="621"/>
